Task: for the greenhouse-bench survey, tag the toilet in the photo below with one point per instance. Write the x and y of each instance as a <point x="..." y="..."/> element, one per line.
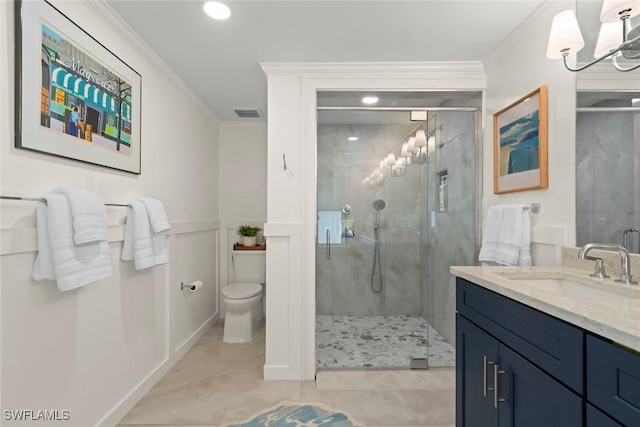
<point x="242" y="299"/>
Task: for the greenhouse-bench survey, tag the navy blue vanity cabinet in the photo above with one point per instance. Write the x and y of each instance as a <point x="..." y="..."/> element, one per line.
<point x="613" y="381"/>
<point x="476" y="353"/>
<point x="515" y="366"/>
<point x="596" y="418"/>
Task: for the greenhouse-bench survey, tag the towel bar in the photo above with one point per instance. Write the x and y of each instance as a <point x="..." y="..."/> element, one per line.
<point x="35" y="199"/>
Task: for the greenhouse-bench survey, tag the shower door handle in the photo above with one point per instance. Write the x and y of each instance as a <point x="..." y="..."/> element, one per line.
<point x="328" y="239"/>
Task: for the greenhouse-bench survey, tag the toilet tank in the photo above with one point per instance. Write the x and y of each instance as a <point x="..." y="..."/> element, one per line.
<point x="250" y="266"/>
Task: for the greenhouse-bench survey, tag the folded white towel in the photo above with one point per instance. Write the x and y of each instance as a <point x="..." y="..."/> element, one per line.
<point x="145" y="248"/>
<point x="510" y="235"/>
<point x="58" y="257"/>
<point x="524" y="257"/>
<point x="490" y="234"/>
<point x="157" y="215"/>
<point x="89" y="215"/>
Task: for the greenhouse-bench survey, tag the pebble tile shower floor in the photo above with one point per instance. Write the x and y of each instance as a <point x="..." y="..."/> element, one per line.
<point x="379" y="342"/>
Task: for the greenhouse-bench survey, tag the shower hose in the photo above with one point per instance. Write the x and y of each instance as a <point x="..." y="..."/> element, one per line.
<point x="376" y="261"/>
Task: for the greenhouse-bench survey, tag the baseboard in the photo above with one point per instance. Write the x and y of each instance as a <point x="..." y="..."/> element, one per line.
<point x="285" y="373"/>
<point x="122" y="409"/>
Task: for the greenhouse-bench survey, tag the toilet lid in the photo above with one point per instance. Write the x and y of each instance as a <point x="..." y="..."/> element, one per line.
<point x="241" y="290"/>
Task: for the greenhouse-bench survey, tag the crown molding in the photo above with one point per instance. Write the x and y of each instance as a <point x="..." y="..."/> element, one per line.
<point x="604" y="76"/>
<point x="459" y="69"/>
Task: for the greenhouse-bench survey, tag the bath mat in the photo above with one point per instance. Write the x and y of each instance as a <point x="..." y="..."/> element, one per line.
<point x="296" y="414"/>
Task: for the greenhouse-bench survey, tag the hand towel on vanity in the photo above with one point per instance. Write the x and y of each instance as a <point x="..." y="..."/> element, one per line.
<point x="145" y="248"/>
<point x="524" y="257"/>
<point x="58" y="257"/>
<point x="88" y="213"/>
<point x="511" y="235"/>
<point x="490" y="235"/>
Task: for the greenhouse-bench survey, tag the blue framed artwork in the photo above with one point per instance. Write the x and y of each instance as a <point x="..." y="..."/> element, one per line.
<point x="520" y="144"/>
<point x="74" y="97"/>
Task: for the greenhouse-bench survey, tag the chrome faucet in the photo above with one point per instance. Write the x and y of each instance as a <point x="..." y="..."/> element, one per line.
<point x="625" y="242"/>
<point x="625" y="262"/>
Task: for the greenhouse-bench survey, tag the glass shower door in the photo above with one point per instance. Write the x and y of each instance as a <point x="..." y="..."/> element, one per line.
<point x="368" y="243"/>
<point x="449" y="234"/>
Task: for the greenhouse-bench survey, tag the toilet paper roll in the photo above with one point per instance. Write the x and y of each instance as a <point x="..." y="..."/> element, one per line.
<point x="194" y="286"/>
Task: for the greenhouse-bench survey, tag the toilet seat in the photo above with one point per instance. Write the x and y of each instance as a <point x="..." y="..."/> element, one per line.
<point x="241" y="290"/>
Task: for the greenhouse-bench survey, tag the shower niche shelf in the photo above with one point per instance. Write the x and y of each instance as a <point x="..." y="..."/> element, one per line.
<point x="443" y="190"/>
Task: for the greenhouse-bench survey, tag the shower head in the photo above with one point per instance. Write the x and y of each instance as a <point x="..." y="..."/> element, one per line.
<point x="379" y="204"/>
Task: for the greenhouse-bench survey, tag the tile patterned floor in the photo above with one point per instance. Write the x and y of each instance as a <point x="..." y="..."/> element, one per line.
<point x="379" y="342"/>
<point x="216" y="383"/>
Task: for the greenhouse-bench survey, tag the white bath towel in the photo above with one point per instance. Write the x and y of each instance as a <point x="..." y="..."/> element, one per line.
<point x="524" y="257"/>
<point x="157" y="215"/>
<point x="510" y="235"/>
<point x="514" y="239"/>
<point x="141" y="245"/>
<point x="58" y="257"/>
<point x="506" y="237"/>
<point x="89" y="215"/>
<point x="490" y="235"/>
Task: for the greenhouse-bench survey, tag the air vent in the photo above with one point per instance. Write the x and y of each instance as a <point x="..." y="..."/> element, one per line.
<point x="247" y="114"/>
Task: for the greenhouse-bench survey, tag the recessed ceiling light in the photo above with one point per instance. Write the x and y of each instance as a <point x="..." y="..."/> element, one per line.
<point x="369" y="99"/>
<point x="353" y="138"/>
<point x="216" y="10"/>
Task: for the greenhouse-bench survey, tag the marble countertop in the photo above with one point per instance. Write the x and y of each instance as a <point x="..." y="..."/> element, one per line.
<point x="616" y="318"/>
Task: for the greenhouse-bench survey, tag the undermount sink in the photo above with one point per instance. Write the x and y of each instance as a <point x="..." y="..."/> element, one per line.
<point x="579" y="291"/>
<point x="577" y="287"/>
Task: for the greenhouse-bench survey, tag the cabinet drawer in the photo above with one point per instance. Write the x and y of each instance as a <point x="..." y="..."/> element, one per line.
<point x="555" y="346"/>
<point x="613" y="380"/>
<point x="595" y="418"/>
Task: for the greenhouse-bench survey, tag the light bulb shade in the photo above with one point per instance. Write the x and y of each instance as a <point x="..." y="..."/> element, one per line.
<point x="391" y="159"/>
<point x="405" y="150"/>
<point x="421" y="139"/>
<point x="431" y="145"/>
<point x="383" y="163"/>
<point x="401" y="162"/>
<point x="366" y="182"/>
<point x="411" y="147"/>
<point x="613" y="10"/>
<point x="609" y="38"/>
<point x="565" y="35"/>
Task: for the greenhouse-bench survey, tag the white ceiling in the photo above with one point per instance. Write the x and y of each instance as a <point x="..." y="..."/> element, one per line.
<point x="220" y="60"/>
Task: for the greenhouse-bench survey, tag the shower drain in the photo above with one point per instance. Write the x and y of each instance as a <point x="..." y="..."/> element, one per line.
<point x="419" y="363"/>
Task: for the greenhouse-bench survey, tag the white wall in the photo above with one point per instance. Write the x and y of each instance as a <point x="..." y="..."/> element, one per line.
<point x="242" y="187"/>
<point x="96" y="350"/>
<point x="243" y="171"/>
<point x="515" y="68"/>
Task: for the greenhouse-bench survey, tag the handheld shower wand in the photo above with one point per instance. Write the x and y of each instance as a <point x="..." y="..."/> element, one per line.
<point x="378" y="205"/>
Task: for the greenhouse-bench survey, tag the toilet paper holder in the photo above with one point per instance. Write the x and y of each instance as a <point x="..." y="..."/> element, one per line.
<point x="191" y="286"/>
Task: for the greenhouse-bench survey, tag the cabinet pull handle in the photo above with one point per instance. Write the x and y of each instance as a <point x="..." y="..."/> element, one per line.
<point x="496" y="371"/>
<point x="485" y="363"/>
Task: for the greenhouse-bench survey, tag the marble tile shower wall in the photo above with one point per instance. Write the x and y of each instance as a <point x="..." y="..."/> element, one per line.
<point x="451" y="239"/>
<point x="608" y="176"/>
<point x="343" y="282"/>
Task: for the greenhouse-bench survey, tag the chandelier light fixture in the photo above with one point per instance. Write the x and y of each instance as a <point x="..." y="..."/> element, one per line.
<point x="616" y="38"/>
<point x="415" y="151"/>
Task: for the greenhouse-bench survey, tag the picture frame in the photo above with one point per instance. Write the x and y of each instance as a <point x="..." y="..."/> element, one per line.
<point x="520" y="144"/>
<point x="74" y="97"/>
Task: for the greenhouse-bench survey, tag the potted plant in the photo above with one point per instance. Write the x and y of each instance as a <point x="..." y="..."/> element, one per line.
<point x="247" y="234"/>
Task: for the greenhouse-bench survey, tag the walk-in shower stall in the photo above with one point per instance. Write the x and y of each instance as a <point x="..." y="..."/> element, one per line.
<point x="397" y="202"/>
